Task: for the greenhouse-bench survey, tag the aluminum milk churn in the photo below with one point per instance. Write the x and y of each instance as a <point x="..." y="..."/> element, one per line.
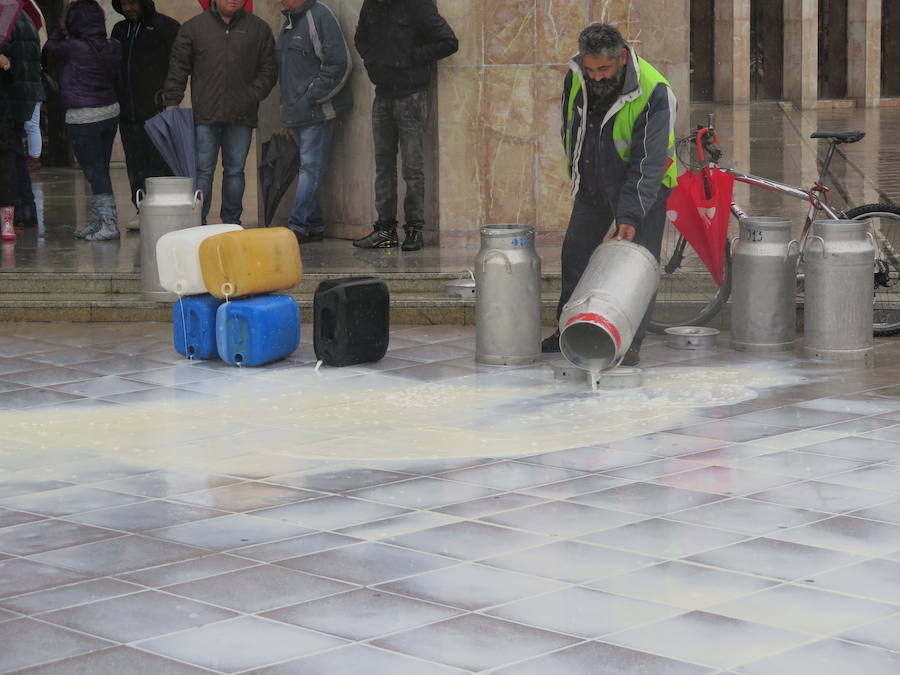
<point x="507" y="297"/>
<point x="170" y="204"/>
<point x="600" y="319"/>
<point x="838" y="260"/>
<point x="764" y="290"/>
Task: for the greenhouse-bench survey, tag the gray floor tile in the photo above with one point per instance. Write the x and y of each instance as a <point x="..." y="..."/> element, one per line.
<point x="46" y="535"/>
<point x="583" y="612"/>
<point x="724" y="480"/>
<point x="13" y="488"/>
<point x="125" y="554"/>
<point x="822" y="496"/>
<point x="853" y="535"/>
<point x="45" y="377"/>
<point x="732" y="431"/>
<point x="330" y="513"/>
<point x="166" y="483"/>
<point x="874" y="579"/>
<point x="570" y="561"/>
<point x="362" y="614"/>
<point x="468" y="540"/>
<point x="109" y="385"/>
<point x="246" y="496"/>
<point x="137" y="617"/>
<point x="188" y="570"/>
<point x="797" y="417"/>
<point x="29" y="643"/>
<point x="69" y="595"/>
<point x="474" y="642"/>
<point x="747" y="515"/>
<point x="229" y="532"/>
<point x="599" y="658"/>
<point x="888" y="513"/>
<point x="664" y="538"/>
<point x="366" y="563"/>
<point x="183" y="372"/>
<point x="828" y="657"/>
<point x="258" y="589"/>
<point x="240" y="644"/>
<point x="293" y="548"/>
<point x="23" y="399"/>
<point x="646" y="498"/>
<point x="431" y="372"/>
<point x="70" y="357"/>
<point x="777" y="559"/>
<point x="666" y="444"/>
<point x="399" y="525"/>
<point x="562" y="519"/>
<point x="682" y="585"/>
<point x="590" y="459"/>
<point x="260" y="465"/>
<point x="339" y="480"/>
<point x="884" y="633"/>
<point x="144" y="516"/>
<point x="158" y="395"/>
<point x="115" y="661"/>
<point x="799" y="464"/>
<point x="884" y="434"/>
<point x="851" y="405"/>
<point x="855" y="447"/>
<point x="19" y="576"/>
<point x="510" y="475"/>
<point x="651" y="470"/>
<point x="486" y="506"/>
<point x="69" y="500"/>
<point x="358" y="660"/>
<point x="471" y="586"/>
<point x="885" y="477"/>
<point x="424" y="493"/>
<point x="709" y="639"/>
<point x="804" y="610"/>
<point x="120" y="365"/>
<point x="859" y="425"/>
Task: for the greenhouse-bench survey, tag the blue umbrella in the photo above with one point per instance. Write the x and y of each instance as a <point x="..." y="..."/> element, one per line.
<point x="172" y="132"/>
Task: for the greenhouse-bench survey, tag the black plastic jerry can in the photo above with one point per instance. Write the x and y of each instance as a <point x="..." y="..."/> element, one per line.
<point x="351" y="320"/>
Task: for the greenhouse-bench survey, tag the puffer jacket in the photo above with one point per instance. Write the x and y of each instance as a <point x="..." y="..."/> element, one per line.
<point x="90" y="61"/>
<point x="24" y="50"/>
<point x="399" y="40"/>
<point x="313" y="66"/>
<point x="146" y="48"/>
<point x="232" y="67"/>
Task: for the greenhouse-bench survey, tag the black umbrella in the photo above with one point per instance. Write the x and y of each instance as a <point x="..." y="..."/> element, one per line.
<point x="278" y="168"/>
<point x="172" y="132"/>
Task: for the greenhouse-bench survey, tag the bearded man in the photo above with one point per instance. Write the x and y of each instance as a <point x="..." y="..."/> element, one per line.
<point x="619" y="137"/>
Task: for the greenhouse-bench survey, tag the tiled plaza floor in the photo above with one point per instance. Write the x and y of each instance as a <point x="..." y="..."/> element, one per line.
<point x="739" y="514"/>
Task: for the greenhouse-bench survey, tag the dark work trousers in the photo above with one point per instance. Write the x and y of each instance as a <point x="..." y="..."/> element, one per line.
<point x="589" y="223"/>
<point x="400" y="123"/>
<point x="141" y="157"/>
<point x="24" y="193"/>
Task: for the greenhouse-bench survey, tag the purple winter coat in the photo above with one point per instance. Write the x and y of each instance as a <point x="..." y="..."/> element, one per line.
<point x="87" y="80"/>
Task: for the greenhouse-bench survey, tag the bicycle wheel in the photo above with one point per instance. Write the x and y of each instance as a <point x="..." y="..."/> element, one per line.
<point x="885" y="223"/>
<point x="687" y="294"/>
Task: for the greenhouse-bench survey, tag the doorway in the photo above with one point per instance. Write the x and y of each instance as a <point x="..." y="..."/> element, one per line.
<point x="832" y="49"/>
<point x="702" y="40"/>
<point x="766" y="49"/>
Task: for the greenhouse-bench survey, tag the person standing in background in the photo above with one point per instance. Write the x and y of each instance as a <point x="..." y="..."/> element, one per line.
<point x="33" y="126"/>
<point x="146" y="37"/>
<point x="7" y="156"/>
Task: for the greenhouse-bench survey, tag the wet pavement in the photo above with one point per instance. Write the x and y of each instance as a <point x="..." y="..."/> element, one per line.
<point x="425" y="514"/>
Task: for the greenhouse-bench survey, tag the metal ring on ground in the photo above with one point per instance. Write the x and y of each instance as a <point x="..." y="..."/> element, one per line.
<point x="691" y="337"/>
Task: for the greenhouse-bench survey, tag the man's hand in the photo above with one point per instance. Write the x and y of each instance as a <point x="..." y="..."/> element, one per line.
<point x="624" y="232"/>
<point x="5" y="63"/>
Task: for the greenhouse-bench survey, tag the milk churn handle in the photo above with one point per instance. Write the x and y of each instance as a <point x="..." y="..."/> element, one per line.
<point x="811" y="237"/>
<point x="494" y="253"/>
<point x="198" y="199"/>
<point x="791" y="243"/>
<point x="872" y="239"/>
<point x="139" y="197"/>
<point x="731" y="243"/>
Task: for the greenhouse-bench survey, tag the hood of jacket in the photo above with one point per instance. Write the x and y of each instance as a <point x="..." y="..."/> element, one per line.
<point x="148" y="6"/>
<point x="86" y="21"/>
<point x="292" y="15"/>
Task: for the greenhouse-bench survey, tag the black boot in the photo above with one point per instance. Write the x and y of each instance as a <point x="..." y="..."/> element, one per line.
<point x="550" y="344"/>
<point x="413" y="240"/>
<point x="384" y="235"/>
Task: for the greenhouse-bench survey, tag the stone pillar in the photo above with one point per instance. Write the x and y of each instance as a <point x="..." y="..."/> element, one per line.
<point x="864" y="51"/>
<point x="732" y="51"/>
<point x="801" y="52"/>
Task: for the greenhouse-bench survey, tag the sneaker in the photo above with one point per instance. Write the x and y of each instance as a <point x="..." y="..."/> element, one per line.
<point x="378" y="239"/>
<point x="413" y="241"/>
<point x="550" y="344"/>
<point x="632" y="357"/>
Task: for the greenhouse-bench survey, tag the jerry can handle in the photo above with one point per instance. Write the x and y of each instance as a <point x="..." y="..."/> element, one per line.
<point x="198" y="199"/>
<point x="139" y="197"/>
<point x="494" y="254"/>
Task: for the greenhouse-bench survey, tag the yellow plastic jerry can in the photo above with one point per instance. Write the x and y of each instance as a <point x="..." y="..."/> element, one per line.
<point x="250" y="262"/>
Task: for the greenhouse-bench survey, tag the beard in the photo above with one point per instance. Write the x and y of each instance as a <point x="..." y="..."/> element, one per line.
<point x="609" y="89"/>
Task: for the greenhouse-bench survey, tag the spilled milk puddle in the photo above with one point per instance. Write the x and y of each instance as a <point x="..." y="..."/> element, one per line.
<point x="377" y="416"/>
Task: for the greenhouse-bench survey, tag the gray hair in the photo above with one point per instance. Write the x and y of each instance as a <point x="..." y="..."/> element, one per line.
<point x="601" y="39"/>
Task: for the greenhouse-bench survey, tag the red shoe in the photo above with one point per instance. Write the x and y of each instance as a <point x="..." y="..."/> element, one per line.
<point x="7" y="232"/>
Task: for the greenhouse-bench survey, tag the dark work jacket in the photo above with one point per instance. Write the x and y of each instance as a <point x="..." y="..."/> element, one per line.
<point x="88" y="80"/>
<point x="7" y="129"/>
<point x="232" y="67"/>
<point x="24" y="50"/>
<point x="146" y="47"/>
<point x="399" y="40"/>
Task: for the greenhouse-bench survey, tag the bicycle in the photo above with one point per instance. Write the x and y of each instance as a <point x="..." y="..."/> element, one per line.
<point x="687" y="294"/>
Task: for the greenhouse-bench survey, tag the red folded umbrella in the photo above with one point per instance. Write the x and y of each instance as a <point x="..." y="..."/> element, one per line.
<point x="699" y="207"/>
<point x="205" y="5"/>
<point x="9" y="12"/>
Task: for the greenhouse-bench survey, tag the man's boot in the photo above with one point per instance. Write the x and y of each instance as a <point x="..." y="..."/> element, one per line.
<point x="94" y="222"/>
<point x="413" y="240"/>
<point x="109" y="221"/>
<point x="384" y="235"/>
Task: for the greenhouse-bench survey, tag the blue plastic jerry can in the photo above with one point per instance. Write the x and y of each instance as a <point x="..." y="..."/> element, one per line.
<point x="257" y="331"/>
<point x="194" y="326"/>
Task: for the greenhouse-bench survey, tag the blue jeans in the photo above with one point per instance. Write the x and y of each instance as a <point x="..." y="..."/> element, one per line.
<point x="92" y="144"/>
<point x="33" y="132"/>
<point x="234" y="141"/>
<point x="314" y="142"/>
